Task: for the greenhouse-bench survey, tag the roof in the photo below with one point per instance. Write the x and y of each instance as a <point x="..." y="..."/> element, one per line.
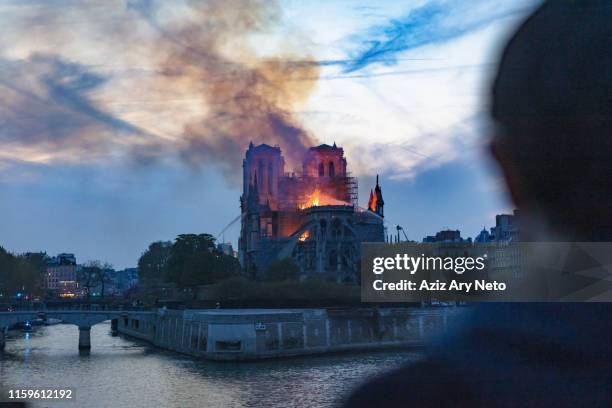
<point x="325" y="147"/>
<point x="264" y="146"/>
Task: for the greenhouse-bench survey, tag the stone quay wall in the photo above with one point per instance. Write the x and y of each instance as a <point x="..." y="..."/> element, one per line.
<point x="261" y="333"/>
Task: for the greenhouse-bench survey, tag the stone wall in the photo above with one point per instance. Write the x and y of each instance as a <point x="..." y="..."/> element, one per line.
<point x="261" y="333"/>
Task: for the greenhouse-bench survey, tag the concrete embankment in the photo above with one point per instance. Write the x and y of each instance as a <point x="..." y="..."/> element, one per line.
<point x="265" y="333"/>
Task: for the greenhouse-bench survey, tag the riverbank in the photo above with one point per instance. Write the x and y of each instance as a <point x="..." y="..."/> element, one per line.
<point x="251" y="334"/>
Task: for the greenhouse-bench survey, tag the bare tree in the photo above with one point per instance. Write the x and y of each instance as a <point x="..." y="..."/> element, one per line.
<point x="95" y="273"/>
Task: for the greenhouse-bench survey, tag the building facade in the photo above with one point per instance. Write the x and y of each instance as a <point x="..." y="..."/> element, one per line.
<point x="311" y="216"/>
<point x="447" y="236"/>
<point x="506" y="227"/>
<point x="61" y="275"/>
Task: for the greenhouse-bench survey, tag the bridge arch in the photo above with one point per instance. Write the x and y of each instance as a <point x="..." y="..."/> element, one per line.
<point x="82" y="319"/>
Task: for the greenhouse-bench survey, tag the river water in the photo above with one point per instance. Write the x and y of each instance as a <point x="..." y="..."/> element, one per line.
<point x="122" y="372"/>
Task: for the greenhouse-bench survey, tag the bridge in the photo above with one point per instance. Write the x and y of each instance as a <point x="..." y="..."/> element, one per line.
<point x="83" y="319"/>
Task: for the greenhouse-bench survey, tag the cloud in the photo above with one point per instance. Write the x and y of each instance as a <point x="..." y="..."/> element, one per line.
<point x="46" y="112"/>
<point x="433" y="22"/>
<point x="144" y="81"/>
<point x="107" y="105"/>
<point x="147" y="81"/>
<point x="411" y="92"/>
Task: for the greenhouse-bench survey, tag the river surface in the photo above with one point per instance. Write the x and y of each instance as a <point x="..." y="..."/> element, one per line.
<point x="122" y="372"/>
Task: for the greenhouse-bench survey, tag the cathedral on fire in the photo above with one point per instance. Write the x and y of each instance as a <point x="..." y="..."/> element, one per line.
<point x="311" y="216"/>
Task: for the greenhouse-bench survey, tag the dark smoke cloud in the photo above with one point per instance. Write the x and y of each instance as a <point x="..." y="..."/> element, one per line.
<point x="51" y="104"/>
<point x="247" y="98"/>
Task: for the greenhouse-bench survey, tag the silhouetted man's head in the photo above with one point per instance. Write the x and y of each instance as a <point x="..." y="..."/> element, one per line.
<point x="552" y="100"/>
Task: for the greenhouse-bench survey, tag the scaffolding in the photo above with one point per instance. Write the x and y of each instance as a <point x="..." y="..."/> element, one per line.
<point x="353" y="189"/>
<point x="295" y="190"/>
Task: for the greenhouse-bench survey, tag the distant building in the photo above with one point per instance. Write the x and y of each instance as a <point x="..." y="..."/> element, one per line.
<point x="126" y="279"/>
<point x="448" y="235"/>
<point x="226" y="248"/>
<point x="61" y="275"/>
<point x="506" y="227"/>
<point x="483" y="237"/>
<point x="504" y="255"/>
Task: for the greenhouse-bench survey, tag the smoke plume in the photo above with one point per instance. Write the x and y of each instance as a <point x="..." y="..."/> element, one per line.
<point x="150" y="80"/>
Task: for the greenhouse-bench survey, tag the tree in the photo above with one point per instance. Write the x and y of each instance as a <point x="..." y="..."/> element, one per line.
<point x="7" y="267"/>
<point x="183" y="248"/>
<point x="206" y="267"/>
<point x="226" y="267"/>
<point x="191" y="260"/>
<point x="33" y="266"/>
<point x="194" y="260"/>
<point x="282" y="270"/>
<point x="93" y="274"/>
<point x="153" y="263"/>
<point x="87" y="276"/>
<point x="104" y="276"/>
<point x="21" y="273"/>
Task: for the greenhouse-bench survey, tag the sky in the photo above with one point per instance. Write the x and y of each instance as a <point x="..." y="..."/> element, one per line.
<point x="124" y="122"/>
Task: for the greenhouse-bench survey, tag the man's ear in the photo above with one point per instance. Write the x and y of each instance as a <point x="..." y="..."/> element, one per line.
<point x="511" y="176"/>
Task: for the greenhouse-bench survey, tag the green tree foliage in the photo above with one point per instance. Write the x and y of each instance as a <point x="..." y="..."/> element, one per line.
<point x="21" y="273"/>
<point x="282" y="270"/>
<point x="206" y="267"/>
<point x="184" y="248"/>
<point x="191" y="260"/>
<point x="153" y="263"/>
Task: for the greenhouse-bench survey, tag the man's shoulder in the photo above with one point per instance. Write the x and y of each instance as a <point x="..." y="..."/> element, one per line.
<point x="521" y="354"/>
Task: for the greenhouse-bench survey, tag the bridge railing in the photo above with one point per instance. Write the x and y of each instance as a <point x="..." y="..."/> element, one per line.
<point x="68" y="306"/>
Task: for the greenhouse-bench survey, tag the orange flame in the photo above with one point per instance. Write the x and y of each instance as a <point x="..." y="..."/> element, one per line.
<point x="318" y="198"/>
<point x="372" y="201"/>
<point x="304" y="236"/>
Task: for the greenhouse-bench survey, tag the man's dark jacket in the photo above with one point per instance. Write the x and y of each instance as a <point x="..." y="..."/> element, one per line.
<point x="539" y="355"/>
